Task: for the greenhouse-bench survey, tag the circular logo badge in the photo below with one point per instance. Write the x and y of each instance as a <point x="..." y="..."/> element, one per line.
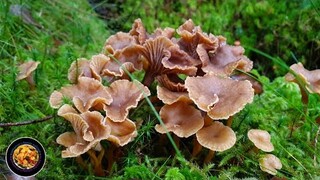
<point x="25" y="157"/>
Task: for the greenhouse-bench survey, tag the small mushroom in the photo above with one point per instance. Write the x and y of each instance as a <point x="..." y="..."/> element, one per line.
<point x="270" y="163"/>
<point x="89" y="130"/>
<point x="81" y="68"/>
<point x="87" y="94"/>
<point x="216" y="137"/>
<point x="261" y="139"/>
<point x="180" y="118"/>
<point x="26" y="72"/>
<point x="307" y="80"/>
<point x="125" y="95"/>
<point x="220" y="97"/>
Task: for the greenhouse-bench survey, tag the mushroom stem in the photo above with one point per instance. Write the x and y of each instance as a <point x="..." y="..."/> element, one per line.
<point x="148" y="79"/>
<point x="31" y="82"/>
<point x="176" y="140"/>
<point x="98" y="171"/>
<point x="196" y="147"/>
<point x="229" y="121"/>
<point x="209" y="157"/>
<point x="110" y="157"/>
<point x="80" y="161"/>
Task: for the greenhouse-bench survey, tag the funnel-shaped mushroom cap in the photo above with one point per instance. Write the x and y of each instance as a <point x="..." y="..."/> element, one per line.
<point x="216" y="137"/>
<point x="121" y="132"/>
<point x="310" y="78"/>
<point x="89" y="130"/>
<point x="169" y="97"/>
<point x="81" y="68"/>
<point x="138" y="31"/>
<point x="180" y="118"/>
<point x="261" y="139"/>
<point x="126" y="95"/>
<point x="225" y="60"/>
<point x="166" y="32"/>
<point x="26" y="69"/>
<point x="270" y="163"/>
<point x="220" y="97"/>
<point x="194" y="41"/>
<point x="98" y="64"/>
<point x="125" y="51"/>
<point x="88" y="93"/>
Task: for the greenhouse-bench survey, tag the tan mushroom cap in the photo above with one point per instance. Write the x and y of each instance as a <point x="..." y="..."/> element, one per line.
<point x="256" y="85"/>
<point x="261" y="139"/>
<point x="121" y="132"/>
<point x="88" y="93"/>
<point x="118" y="42"/>
<point x="138" y="31"/>
<point x="98" y="64"/>
<point x="216" y="137"/>
<point x="166" y="32"/>
<point x="219" y="96"/>
<point x="310" y="78"/>
<point x="194" y="41"/>
<point x="270" y="164"/>
<point x="80" y="68"/>
<point x="26" y="69"/>
<point x="89" y="130"/>
<point x="125" y="95"/>
<point x="180" y="118"/>
<point x="169" y="97"/>
<point x="225" y="60"/>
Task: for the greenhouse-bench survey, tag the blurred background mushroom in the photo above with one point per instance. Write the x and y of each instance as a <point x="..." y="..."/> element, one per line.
<point x="270" y="163"/>
<point x="308" y="81"/>
<point x="26" y="72"/>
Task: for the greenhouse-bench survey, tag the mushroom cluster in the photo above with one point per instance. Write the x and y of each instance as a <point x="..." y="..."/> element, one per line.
<point x="194" y="72"/>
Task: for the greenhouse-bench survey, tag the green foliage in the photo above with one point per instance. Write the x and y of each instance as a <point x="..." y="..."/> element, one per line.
<point x="138" y="172"/>
<point x="174" y="173"/>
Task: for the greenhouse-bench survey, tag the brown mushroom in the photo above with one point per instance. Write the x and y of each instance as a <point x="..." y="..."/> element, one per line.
<point x="121" y="132"/>
<point x="180" y="118"/>
<point x="125" y="95"/>
<point x="87" y="94"/>
<point x="307" y="80"/>
<point x="261" y="139"/>
<point x="225" y="60"/>
<point x="256" y="85"/>
<point x="26" y="72"/>
<point x="216" y="137"/>
<point x="79" y="68"/>
<point x="89" y="130"/>
<point x="138" y="31"/>
<point x="221" y="97"/>
<point x="270" y="164"/>
<point x="169" y="97"/>
<point x="194" y="41"/>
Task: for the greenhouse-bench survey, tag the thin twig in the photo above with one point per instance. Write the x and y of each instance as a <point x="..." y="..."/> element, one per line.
<point x="315" y="147"/>
<point x="26" y="122"/>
